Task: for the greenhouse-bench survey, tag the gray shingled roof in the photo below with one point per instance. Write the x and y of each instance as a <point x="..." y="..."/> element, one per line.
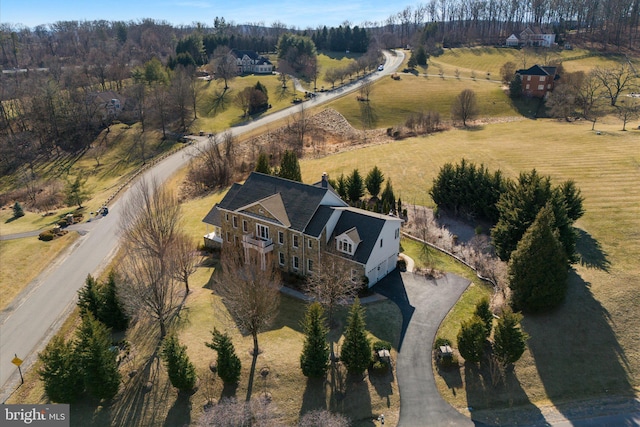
<point x="538" y="70"/>
<point x="300" y="200"/>
<point x="318" y="221"/>
<point x="369" y="228"/>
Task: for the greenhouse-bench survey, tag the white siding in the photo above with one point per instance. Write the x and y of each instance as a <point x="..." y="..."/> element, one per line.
<point x="383" y="259"/>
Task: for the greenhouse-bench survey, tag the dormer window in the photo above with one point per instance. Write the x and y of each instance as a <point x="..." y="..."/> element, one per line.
<point x="345" y="246"/>
<point x="348" y="241"/>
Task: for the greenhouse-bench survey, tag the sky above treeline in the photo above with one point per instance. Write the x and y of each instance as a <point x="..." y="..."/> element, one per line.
<point x="292" y="13"/>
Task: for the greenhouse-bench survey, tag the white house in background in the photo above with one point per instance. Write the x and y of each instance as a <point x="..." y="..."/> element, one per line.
<point x="249" y="61"/>
<point x="301" y="225"/>
<point x="531" y="38"/>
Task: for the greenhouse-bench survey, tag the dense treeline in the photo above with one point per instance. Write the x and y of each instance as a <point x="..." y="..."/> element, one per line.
<point x="468" y="190"/>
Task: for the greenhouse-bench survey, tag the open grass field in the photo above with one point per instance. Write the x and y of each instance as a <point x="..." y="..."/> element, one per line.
<point x="587" y="347"/>
<point x="392" y="101"/>
<point x="483" y="60"/>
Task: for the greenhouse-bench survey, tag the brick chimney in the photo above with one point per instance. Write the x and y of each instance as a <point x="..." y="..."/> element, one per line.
<point x="325" y="180"/>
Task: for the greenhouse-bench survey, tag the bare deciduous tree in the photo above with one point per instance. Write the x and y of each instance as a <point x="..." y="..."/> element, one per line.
<point x="465" y="106"/>
<point x="184" y="257"/>
<point x="150" y="224"/>
<point x="250" y="290"/>
<point x="332" y="283"/>
<point x="616" y="80"/>
<point x="225" y="65"/>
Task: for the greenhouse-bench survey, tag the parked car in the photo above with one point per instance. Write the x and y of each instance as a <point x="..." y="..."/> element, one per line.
<point x="380" y="67"/>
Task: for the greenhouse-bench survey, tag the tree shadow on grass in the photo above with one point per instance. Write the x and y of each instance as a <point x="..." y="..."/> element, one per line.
<point x="142" y="397"/>
<point x="590" y="252"/>
<point x="451" y="376"/>
<point x="180" y="412"/>
<point x="383" y="384"/>
<point x="486" y="393"/>
<point x="314" y="396"/>
<point x="576" y="352"/>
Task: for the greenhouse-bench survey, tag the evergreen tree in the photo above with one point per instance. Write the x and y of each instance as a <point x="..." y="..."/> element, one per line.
<point x="76" y="191"/>
<point x="315" y="352"/>
<point x="355" y="186"/>
<point x="421" y="56"/>
<point x="228" y="363"/>
<point x="89" y="297"/>
<point x="572" y="199"/>
<point x="509" y="341"/>
<point x="483" y="311"/>
<point x="538" y="267"/>
<point x="111" y="311"/>
<point x="356" y="348"/>
<point x="289" y="167"/>
<point x="515" y="87"/>
<point x="471" y="339"/>
<point x="262" y="164"/>
<point x="17" y="210"/>
<point x="61" y="371"/>
<point x="374" y="181"/>
<point x="99" y="366"/>
<point x="341" y="186"/>
<point x="518" y="207"/>
<point x="387" y="198"/>
<point x="182" y="373"/>
<point x="413" y="62"/>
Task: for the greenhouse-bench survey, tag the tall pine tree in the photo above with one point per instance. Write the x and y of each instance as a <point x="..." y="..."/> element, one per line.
<point x="111" y="311"/>
<point x="289" y="167"/>
<point x="509" y="341"/>
<point x="262" y="164"/>
<point x="538" y="267"/>
<point x="374" y="181"/>
<point x="483" y="311"/>
<point x="61" y="371"/>
<point x="471" y="339"/>
<point x="356" y="348"/>
<point x="228" y="363"/>
<point x="99" y="366"/>
<point x="182" y="373"/>
<point x="315" y="352"/>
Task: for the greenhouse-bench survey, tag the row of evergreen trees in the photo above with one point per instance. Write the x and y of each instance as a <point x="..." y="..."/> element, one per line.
<point x="509" y="341"/>
<point x="341" y="39"/>
<point x="355" y="353"/>
<point x="533" y="228"/>
<point x="87" y="363"/>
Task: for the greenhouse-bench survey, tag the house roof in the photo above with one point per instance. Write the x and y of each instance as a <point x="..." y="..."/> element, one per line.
<point x="275" y="206"/>
<point x="299" y="201"/>
<point x="318" y="221"/>
<point x="213" y="216"/>
<point x="260" y="60"/>
<point x="538" y="70"/>
<point x="368" y="226"/>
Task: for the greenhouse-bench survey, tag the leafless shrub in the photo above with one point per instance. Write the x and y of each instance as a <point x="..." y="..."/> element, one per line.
<point x="228" y="412"/>
<point x="323" y="418"/>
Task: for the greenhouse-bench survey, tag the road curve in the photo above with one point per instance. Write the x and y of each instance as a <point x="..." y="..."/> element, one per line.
<point x="33" y="317"/>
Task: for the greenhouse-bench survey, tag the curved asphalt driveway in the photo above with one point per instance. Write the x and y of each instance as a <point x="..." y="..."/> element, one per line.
<point x="423" y="303"/>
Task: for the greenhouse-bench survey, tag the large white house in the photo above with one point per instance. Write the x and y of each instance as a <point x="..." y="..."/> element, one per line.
<point x="531" y="38"/>
<point x="248" y="61"/>
<point x="302" y="225"/>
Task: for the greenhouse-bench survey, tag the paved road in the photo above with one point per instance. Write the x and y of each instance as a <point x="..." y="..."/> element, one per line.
<point x="423" y="303"/>
<point x="37" y="313"/>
